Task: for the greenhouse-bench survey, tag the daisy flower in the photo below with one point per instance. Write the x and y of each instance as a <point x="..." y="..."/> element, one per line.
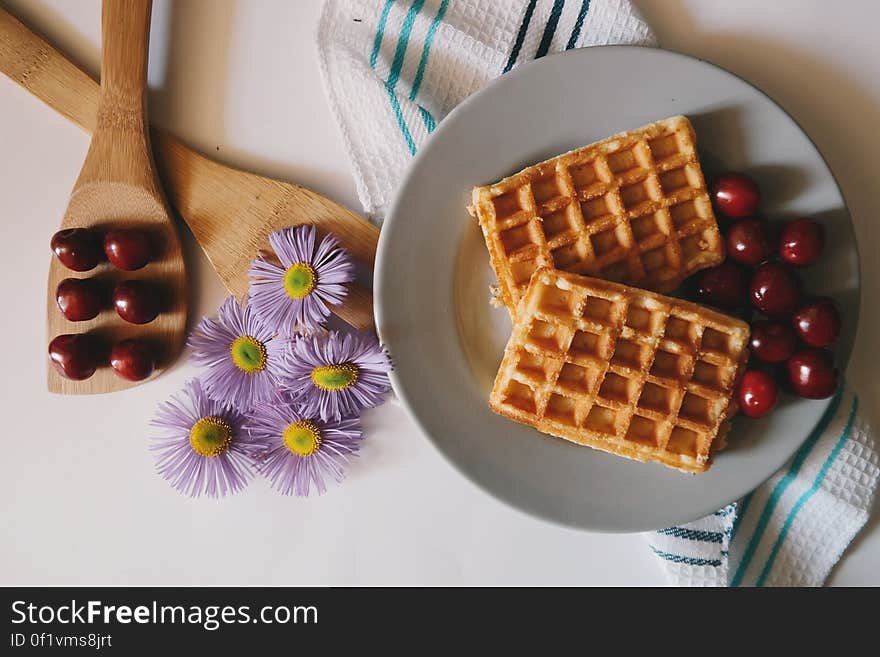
<point x="333" y="375"/>
<point x="296" y="294"/>
<point x="204" y="449"/>
<point x="241" y="354"/>
<point x="301" y="452"/>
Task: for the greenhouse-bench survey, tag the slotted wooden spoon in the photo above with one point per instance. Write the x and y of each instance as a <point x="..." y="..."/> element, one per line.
<point x="230" y="212"/>
<point x="118" y="188"/>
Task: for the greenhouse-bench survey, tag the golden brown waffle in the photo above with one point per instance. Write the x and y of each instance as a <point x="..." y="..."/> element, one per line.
<point x="631" y="208"/>
<point x="620" y="369"/>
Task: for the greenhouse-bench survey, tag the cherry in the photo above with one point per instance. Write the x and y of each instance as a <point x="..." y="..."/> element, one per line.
<point x="775" y="289"/>
<point x="812" y="374"/>
<point x="750" y="242"/>
<point x="79" y="299"/>
<point x="817" y="322"/>
<point x="132" y="359"/>
<point x="74" y="356"/>
<point x="801" y="242"/>
<point x="757" y="393"/>
<point x="772" y="342"/>
<point x="78" y="249"/>
<point x="736" y="195"/>
<point x="128" y="249"/>
<point x="136" y="302"/>
<point x="724" y="285"/>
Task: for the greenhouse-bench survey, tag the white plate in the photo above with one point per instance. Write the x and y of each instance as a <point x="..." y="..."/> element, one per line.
<point x="432" y="276"/>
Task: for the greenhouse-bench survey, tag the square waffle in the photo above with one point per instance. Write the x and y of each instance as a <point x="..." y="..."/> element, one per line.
<point x="620" y="369"/>
<point x="631" y="208"/>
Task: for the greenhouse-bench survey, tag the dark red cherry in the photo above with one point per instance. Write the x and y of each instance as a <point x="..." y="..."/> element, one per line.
<point x="136" y="301"/>
<point x="78" y="249"/>
<point x="801" y="242"/>
<point x="74" y="356"/>
<point x="772" y="342"/>
<point x="736" y="195"/>
<point x="750" y="242"/>
<point x="817" y="322"/>
<point x="128" y="249"/>
<point x="724" y="286"/>
<point x="811" y="373"/>
<point x="775" y="289"/>
<point x="757" y="393"/>
<point x="79" y="299"/>
<point x="133" y="359"/>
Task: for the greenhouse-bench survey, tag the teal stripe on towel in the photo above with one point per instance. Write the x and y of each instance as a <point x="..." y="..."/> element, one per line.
<point x="398" y="114"/>
<point x="397" y="63"/>
<point x="380" y="33"/>
<point x="550" y="28"/>
<point x="521" y="35"/>
<point x="803" y="499"/>
<point x="578" y="24"/>
<point x="403" y="42"/>
<point x="427" y="119"/>
<point x="692" y="534"/>
<point x="782" y="486"/>
<point x="690" y="561"/>
<point x="429" y="39"/>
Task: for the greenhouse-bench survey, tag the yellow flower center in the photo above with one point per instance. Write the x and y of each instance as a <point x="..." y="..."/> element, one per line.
<point x="302" y="438"/>
<point x="335" y="377"/>
<point x="210" y="436"/>
<point x="248" y="354"/>
<point x="299" y="280"/>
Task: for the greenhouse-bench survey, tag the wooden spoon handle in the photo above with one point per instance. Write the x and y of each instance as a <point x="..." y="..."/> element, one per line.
<point x="120" y="149"/>
<point x="37" y="66"/>
<point x="125" y="41"/>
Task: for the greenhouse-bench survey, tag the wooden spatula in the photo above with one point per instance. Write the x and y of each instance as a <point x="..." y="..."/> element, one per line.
<point x="117" y="188"/>
<point x="230" y="212"/>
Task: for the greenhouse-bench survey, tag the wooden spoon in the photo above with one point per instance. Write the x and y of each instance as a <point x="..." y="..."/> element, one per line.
<point x="118" y="188"/>
<point x="230" y="212"/>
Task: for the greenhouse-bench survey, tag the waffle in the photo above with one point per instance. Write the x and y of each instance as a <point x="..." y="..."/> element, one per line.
<point x="622" y="370"/>
<point x="632" y="208"/>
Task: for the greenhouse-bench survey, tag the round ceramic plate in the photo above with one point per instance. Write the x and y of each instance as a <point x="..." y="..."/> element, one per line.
<point x="432" y="276"/>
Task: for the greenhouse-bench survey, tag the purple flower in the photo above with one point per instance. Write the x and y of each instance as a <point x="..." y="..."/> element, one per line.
<point x="295" y="295"/>
<point x="241" y="354"/>
<point x="301" y="452"/>
<point x="334" y="375"/>
<point x="204" y="449"/>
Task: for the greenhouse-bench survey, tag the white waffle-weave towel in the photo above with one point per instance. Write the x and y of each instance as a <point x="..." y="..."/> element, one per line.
<point x="394" y="69"/>
<point x="792" y="529"/>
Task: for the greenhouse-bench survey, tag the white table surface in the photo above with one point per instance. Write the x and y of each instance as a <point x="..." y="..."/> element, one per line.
<point x="80" y="501"/>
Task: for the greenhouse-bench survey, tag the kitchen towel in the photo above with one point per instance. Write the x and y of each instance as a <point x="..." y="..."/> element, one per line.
<point x="393" y="69"/>
<point x="793" y="528"/>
